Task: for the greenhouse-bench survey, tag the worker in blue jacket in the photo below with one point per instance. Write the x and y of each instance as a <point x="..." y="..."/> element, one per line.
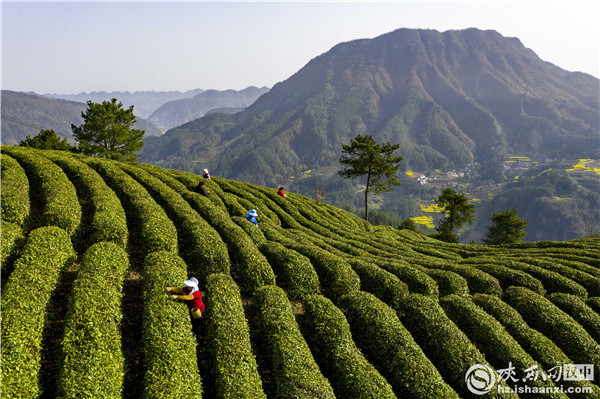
<point x="251" y="216"/>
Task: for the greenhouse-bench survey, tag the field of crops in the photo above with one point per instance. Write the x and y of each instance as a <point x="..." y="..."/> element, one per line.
<point x="314" y="303"/>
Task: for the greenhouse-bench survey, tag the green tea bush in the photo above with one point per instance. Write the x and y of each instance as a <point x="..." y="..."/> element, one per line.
<point x="15" y="191"/>
<point x="589" y="282"/>
<point x="295" y="274"/>
<point x="335" y="274"/>
<point x="157" y="231"/>
<point x="108" y="222"/>
<point x="93" y="363"/>
<point x="200" y="244"/>
<point x="508" y="277"/>
<point x="47" y="252"/>
<point x="579" y="311"/>
<point x="170" y="363"/>
<point x="449" y="283"/>
<point x="383" y="284"/>
<point x="417" y="280"/>
<point x="390" y="347"/>
<point x="248" y="199"/>
<point x="477" y="280"/>
<point x="490" y="337"/>
<point x="295" y="372"/>
<point x="594" y="303"/>
<point x="541" y="314"/>
<point x="12" y="239"/>
<point x="255" y="234"/>
<point x="232" y="364"/>
<point x="60" y="205"/>
<point x="443" y="342"/>
<point x="233" y="206"/>
<point x="328" y="334"/>
<point x="552" y="281"/>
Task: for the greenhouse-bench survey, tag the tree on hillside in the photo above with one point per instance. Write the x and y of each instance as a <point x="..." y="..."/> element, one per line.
<point x="47" y="139"/>
<point x="458" y="211"/>
<point x="107" y="131"/>
<point x="507" y="228"/>
<point x="366" y="157"/>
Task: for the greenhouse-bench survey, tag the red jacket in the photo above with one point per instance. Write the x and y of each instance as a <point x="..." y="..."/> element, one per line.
<point x="197" y="301"/>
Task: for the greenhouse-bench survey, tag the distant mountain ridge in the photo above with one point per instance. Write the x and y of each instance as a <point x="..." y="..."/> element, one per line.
<point x="26" y="114"/>
<point x="178" y="112"/>
<point x="449" y="99"/>
<point x="144" y="102"/>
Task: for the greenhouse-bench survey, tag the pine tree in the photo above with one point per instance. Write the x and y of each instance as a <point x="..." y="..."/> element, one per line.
<point x="458" y="211"/>
<point x="507" y="228"/>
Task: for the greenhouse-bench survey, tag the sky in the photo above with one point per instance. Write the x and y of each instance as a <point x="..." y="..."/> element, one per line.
<point x="72" y="47"/>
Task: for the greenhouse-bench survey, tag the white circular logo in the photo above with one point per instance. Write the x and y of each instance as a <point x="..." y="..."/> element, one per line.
<point x="480" y="379"/>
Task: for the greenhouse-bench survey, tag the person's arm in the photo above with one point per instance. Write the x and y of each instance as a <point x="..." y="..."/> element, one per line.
<point x="175" y="290"/>
<point x="183" y="297"/>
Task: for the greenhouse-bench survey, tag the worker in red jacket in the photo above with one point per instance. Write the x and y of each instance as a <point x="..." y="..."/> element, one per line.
<point x="280" y="192"/>
<point x="191" y="294"/>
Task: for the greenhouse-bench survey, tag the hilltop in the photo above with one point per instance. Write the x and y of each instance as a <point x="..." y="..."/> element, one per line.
<point x="314" y="302"/>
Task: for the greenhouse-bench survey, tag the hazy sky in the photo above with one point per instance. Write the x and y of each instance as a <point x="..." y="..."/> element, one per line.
<point x="67" y="48"/>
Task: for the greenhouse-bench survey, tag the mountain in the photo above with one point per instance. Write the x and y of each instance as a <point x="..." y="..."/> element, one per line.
<point x="178" y="112"/>
<point x="144" y="102"/>
<point x="26" y="114"/>
<point x="450" y="99"/>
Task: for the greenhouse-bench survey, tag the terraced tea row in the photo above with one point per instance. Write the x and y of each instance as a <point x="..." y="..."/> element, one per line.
<point x="312" y="302"/>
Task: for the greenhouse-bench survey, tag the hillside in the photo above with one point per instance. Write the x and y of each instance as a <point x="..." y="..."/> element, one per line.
<point x="450" y="99"/>
<point x="25" y="114"/>
<point x="178" y="112"/>
<point x="144" y="102"/>
<point x="313" y="302"/>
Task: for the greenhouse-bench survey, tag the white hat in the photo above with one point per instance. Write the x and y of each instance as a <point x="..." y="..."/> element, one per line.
<point x="205" y="170"/>
<point x="193" y="282"/>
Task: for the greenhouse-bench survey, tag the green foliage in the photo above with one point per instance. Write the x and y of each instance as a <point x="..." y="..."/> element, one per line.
<point x="108" y="222"/>
<point x="12" y="239"/>
<point x="506" y="228"/>
<point x="536" y="344"/>
<point x="107" y="131"/>
<point x="157" y="231"/>
<point x="458" y="211"/>
<point x="383" y="284"/>
<point x="232" y="364"/>
<point x="388" y="344"/>
<point x="443" y="343"/>
<point x="15" y="191"/>
<point x="488" y="335"/>
<point x="170" y="361"/>
<point x="541" y="314"/>
<point x="580" y="312"/>
<point x="328" y="334"/>
<point x="93" y="365"/>
<point x="47" y="139"/>
<point x="295" y="274"/>
<point x="448" y="282"/>
<point x="509" y="277"/>
<point x="295" y="372"/>
<point x="58" y="195"/>
<point x="366" y="157"/>
<point x="47" y="252"/>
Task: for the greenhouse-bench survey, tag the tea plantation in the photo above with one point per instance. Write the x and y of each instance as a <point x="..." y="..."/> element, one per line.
<point x="312" y="303"/>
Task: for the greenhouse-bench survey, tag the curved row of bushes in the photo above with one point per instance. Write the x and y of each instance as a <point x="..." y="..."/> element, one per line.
<point x="295" y="274"/>
<point x="200" y="244"/>
<point x="579" y="311"/>
<point x="446" y="346"/>
<point x="249" y="266"/>
<point x="170" y="366"/>
<point x="509" y="277"/>
<point x="233" y="366"/>
<point x="12" y="237"/>
<point x="93" y="363"/>
<point x="328" y="334"/>
<point x="385" y="341"/>
<point x="295" y="372"/>
<point x="156" y="231"/>
<point x="108" y="222"/>
<point x="15" y="191"/>
<point x="25" y="299"/>
<point x="490" y="337"/>
<point x="478" y="281"/>
<point x="60" y="206"/>
<point x="541" y="314"/>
